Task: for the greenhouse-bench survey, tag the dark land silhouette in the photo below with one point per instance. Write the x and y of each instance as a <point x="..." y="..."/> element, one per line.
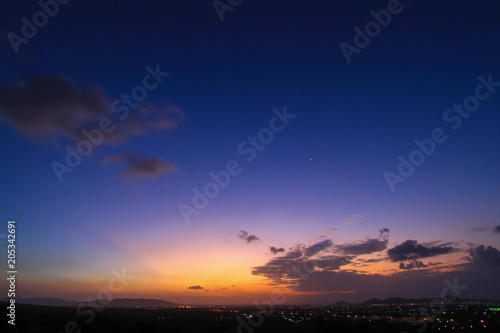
<point x="389" y="315"/>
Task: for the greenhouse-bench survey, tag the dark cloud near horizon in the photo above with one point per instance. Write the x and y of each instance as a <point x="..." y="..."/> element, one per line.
<point x="496" y="230"/>
<point x="247" y="237"/>
<point x="196" y="287"/>
<point x="140" y="167"/>
<point x="275" y="250"/>
<point x="480" y="277"/>
<point x="289" y="270"/>
<point x="487" y="257"/>
<point x="410" y="249"/>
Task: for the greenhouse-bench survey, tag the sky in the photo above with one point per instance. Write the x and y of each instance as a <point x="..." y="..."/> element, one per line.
<point x="217" y="152"/>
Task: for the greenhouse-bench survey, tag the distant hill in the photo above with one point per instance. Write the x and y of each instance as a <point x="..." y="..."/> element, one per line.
<point x="43" y="301"/>
<point x="399" y="300"/>
<point x="116" y="303"/>
<point x="139" y="302"/>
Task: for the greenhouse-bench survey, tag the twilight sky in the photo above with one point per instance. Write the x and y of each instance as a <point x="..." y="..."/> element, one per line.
<point x="217" y="153"/>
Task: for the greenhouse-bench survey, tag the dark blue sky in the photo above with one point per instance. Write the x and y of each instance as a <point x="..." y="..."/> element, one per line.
<point x="324" y="171"/>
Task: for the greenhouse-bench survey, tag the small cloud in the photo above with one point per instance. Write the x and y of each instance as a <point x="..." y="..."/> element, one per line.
<point x="496" y="230"/>
<point x="140" y="167"/>
<point x="275" y="250"/>
<point x="249" y="238"/>
<point x="195" y="287"/>
<point x="412" y="264"/>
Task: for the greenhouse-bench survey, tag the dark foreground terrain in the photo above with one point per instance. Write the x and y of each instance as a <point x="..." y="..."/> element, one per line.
<point x="341" y="318"/>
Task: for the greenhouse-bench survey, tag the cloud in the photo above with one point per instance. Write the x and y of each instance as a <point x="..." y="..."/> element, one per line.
<point x="488" y="257"/>
<point x="477" y="229"/>
<point x="301" y="260"/>
<point x="368" y="246"/>
<point x="290" y="269"/>
<point x="45" y="105"/>
<point x="331" y="231"/>
<point x="318" y="247"/>
<point x="496" y="230"/>
<point x="412" y="264"/>
<point x="411" y="250"/>
<point x="349" y="220"/>
<point x="371" y="260"/>
<point x="249" y="238"/>
<point x="140" y="167"/>
<point x="293" y="255"/>
<point x="405" y="283"/>
<point x="54" y="107"/>
<point x="275" y="250"/>
<point x="297" y="262"/>
<point x="195" y="287"/>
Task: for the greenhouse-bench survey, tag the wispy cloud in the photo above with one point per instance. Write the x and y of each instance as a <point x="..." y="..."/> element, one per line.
<point x="352" y="217"/>
<point x="477" y="229"/>
<point x="140" y="167"/>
